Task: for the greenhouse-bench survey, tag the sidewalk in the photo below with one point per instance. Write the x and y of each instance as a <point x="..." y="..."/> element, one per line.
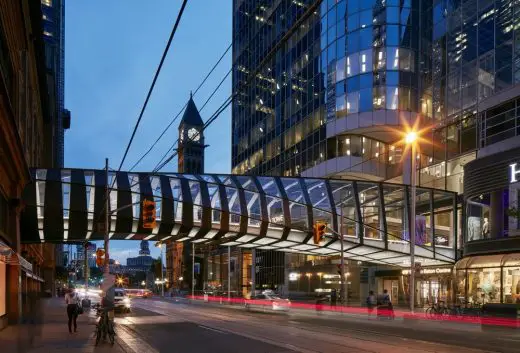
<point x="53" y="334"/>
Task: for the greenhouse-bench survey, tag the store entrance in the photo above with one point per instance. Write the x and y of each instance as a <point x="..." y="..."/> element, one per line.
<point x="431" y="291"/>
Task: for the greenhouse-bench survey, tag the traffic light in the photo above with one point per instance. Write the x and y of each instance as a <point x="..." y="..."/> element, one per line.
<point x="319" y="231"/>
<point x="100" y="257"/>
<point x="149" y="214"/>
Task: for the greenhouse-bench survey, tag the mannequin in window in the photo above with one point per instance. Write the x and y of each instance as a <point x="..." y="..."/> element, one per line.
<point x="485" y="229"/>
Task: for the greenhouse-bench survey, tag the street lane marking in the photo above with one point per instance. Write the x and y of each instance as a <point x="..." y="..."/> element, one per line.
<point x="212" y="329"/>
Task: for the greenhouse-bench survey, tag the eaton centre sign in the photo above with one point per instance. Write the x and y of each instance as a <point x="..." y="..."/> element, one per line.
<point x="514" y="172"/>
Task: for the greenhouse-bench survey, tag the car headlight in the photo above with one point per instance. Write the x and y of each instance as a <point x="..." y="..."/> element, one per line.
<point x="126" y="300"/>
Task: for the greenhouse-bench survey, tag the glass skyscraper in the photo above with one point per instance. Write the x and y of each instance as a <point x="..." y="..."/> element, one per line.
<point x="53" y="19"/>
<point x="323" y="86"/>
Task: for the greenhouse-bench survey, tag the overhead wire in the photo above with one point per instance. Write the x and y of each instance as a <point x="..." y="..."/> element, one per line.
<point x="309" y="12"/>
<point x="183" y="108"/>
<point x="150" y="90"/>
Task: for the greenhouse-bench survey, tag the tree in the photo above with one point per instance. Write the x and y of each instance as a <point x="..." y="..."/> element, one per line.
<point x="62" y="274"/>
<point x="156" y="268"/>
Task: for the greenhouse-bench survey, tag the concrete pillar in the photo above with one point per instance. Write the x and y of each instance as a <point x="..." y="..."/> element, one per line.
<point x="496" y="210"/>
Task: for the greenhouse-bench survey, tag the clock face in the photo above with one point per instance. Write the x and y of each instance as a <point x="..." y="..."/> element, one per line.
<point x="193" y="134"/>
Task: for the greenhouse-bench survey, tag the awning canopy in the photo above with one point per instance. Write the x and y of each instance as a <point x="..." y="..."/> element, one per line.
<point x="507" y="260"/>
<point x="9" y="256"/>
<point x="264" y="212"/>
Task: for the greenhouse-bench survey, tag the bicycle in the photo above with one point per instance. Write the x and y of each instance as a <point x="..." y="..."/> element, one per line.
<point x="437" y="310"/>
<point x="104" y="326"/>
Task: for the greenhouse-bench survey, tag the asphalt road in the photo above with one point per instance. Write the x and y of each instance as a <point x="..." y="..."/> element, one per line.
<point x="165" y="326"/>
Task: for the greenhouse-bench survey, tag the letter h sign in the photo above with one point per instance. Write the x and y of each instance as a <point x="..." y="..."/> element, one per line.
<point x="514" y="173"/>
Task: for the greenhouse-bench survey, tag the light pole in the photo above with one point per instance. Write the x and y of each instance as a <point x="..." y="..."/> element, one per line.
<point x="411" y="140"/>
<point x="159" y="244"/>
<point x="320" y="274"/>
<point x="309" y="282"/>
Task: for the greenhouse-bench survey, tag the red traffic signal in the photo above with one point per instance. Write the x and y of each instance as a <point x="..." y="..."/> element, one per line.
<point x="319" y="231"/>
<point x="149" y="214"/>
<point x="100" y="257"/>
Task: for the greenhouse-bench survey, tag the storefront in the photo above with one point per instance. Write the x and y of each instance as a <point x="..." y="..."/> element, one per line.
<point x="490" y="269"/>
<point x="488" y="279"/>
<point x="432" y="284"/>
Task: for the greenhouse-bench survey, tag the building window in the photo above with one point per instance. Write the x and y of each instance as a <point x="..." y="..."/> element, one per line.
<point x="48" y="34"/>
<point x="47" y="2"/>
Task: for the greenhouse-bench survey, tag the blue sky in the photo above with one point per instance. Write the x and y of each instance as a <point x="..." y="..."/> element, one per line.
<point x="112" y="51"/>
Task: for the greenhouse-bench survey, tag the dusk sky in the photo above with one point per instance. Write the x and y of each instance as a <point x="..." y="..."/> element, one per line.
<point x="112" y="51"/>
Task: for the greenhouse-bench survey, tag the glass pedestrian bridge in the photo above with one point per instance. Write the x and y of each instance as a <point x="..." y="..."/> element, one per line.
<point x="264" y="212"/>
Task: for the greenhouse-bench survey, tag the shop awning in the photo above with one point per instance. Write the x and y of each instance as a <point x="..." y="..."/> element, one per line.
<point x="9" y="256"/>
<point x="507" y="260"/>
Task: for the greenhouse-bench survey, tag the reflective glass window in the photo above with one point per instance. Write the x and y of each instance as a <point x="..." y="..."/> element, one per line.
<point x="352" y="102"/>
<point x="379" y="58"/>
<point x="392" y="97"/>
<point x="392" y="35"/>
<point x="392" y="78"/>
<point x="392" y="15"/>
<point x="353" y="6"/>
<point x="379" y="97"/>
<point x="341" y="105"/>
<point x="365" y="100"/>
<point x="365" y="61"/>
<point x="353" y="64"/>
<point x="353" y="84"/>
<point x="365" y="38"/>
<point x="392" y="58"/>
<point x="353" y="22"/>
<point x="366" y="80"/>
<point x="353" y="42"/>
<point x="365" y="18"/>
<point x="340" y="69"/>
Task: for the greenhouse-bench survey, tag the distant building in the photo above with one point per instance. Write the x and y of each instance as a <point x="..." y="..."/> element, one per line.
<point x="142" y="262"/>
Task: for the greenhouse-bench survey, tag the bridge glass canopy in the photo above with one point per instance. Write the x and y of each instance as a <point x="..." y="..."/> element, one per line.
<point x="264" y="212"/>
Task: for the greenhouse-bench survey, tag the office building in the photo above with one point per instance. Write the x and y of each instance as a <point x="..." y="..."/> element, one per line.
<point x="53" y="18"/>
<point x="325" y="88"/>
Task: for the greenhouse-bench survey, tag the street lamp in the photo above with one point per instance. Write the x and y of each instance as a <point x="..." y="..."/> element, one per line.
<point x="159" y="245"/>
<point x="411" y="138"/>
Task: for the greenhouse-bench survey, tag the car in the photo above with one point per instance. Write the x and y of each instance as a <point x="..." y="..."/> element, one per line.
<point x="267" y="302"/>
<point x="121" y="300"/>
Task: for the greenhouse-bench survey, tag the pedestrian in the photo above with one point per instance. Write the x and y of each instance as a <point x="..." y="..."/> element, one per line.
<point x="371" y="303"/>
<point x="385" y="307"/>
<point x="333" y="298"/>
<point x="72" y="301"/>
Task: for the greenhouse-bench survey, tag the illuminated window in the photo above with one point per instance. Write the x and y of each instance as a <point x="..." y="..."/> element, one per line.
<point x="48" y="34"/>
<point x="47" y="2"/>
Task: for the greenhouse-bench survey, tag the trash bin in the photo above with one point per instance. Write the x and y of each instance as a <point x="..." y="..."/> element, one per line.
<point x="500" y="316"/>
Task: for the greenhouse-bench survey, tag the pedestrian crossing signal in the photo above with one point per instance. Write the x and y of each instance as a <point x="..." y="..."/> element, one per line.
<point x="319" y="231"/>
<point x="149" y="214"/>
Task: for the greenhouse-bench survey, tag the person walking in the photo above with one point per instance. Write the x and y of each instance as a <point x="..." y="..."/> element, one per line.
<point x="371" y="303"/>
<point x="72" y="301"/>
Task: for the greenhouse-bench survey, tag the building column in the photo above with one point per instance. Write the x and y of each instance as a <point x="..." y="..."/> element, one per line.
<point x="496" y="211"/>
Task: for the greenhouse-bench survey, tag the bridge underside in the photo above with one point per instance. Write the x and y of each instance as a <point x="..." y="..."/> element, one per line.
<point x="271" y="213"/>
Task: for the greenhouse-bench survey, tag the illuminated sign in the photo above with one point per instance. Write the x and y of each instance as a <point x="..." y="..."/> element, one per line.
<point x="429" y="271"/>
<point x="514" y="173"/>
<point x="293" y="276"/>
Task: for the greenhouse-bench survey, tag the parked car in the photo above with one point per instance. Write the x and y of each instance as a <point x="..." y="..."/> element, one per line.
<point x="267" y="302"/>
<point x="121" y="300"/>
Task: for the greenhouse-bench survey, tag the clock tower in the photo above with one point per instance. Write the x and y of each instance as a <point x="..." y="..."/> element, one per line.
<point x="190" y="155"/>
<point x="191" y="141"/>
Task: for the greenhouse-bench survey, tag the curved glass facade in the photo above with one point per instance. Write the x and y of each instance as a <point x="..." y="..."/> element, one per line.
<point x="300" y="65"/>
<point x="268" y="213"/>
